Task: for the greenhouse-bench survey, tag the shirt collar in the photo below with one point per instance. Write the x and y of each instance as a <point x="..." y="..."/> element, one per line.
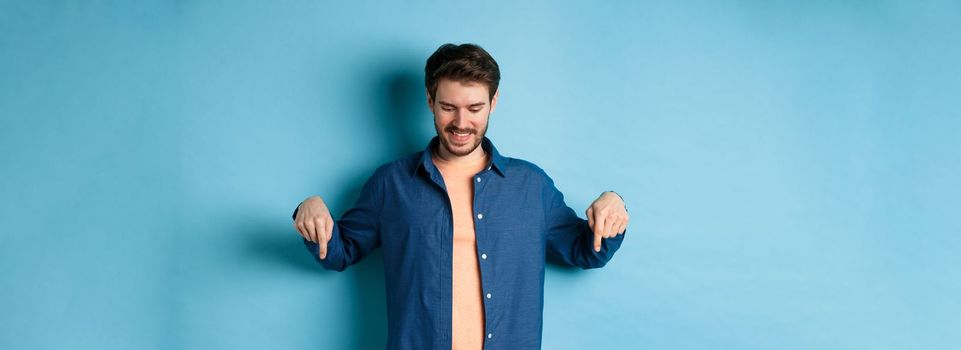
<point x="496" y="162"/>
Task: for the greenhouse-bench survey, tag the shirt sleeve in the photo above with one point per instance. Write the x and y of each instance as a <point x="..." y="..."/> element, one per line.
<point x="356" y="234"/>
<point x="570" y="239"/>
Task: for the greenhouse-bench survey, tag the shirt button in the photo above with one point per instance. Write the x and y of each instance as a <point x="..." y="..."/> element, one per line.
<point x="480" y="216"/>
<point x="488" y="295"/>
<point x="489" y="335"/>
<point x="484" y="256"/>
<point x="478" y="179"/>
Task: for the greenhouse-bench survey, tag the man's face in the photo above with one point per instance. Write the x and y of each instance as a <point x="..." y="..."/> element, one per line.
<point x="461" y="111"/>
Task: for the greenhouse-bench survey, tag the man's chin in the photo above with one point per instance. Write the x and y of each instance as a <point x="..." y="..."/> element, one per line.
<point x="461" y="150"/>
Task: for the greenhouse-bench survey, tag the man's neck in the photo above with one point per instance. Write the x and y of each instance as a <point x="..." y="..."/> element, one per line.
<point x="443" y="155"/>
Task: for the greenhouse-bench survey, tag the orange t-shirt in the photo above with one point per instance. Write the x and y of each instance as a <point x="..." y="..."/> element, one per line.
<point x="468" y="303"/>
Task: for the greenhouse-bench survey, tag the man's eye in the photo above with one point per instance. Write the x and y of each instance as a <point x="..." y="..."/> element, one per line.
<point x="475" y="110"/>
<point x="448" y="109"/>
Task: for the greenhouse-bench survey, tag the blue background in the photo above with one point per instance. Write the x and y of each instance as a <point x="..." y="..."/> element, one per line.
<point x="792" y="168"/>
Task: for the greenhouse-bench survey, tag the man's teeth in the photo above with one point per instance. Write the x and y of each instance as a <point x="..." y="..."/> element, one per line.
<point x="461" y="134"/>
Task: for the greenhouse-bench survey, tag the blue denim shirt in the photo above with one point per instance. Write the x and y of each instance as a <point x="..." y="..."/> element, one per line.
<point x="520" y="219"/>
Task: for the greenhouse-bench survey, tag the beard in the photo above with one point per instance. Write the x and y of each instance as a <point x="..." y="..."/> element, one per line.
<point x="460" y="150"/>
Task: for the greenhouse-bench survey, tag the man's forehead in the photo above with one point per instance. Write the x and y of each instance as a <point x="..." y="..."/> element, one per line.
<point x="461" y="92"/>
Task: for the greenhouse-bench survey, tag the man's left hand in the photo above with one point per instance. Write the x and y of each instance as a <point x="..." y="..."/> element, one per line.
<point x="607" y="216"/>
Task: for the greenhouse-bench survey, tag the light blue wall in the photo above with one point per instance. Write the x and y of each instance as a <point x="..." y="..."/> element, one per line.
<point x="792" y="167"/>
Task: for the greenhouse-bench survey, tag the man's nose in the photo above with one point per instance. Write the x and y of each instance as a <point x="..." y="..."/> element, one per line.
<point x="460" y="120"/>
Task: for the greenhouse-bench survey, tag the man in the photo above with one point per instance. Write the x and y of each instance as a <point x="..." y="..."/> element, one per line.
<point x="465" y="230"/>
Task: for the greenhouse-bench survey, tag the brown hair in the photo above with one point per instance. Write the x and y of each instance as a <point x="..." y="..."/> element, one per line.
<point x="464" y="63"/>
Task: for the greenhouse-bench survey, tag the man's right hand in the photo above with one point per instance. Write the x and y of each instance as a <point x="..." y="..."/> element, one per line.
<point x="314" y="222"/>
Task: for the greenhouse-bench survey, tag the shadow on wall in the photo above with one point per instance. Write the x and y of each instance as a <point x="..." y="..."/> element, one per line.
<point x="401" y="109"/>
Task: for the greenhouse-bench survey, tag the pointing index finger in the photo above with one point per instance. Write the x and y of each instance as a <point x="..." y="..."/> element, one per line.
<point x="597" y="242"/>
<point x="599" y="226"/>
<point x="322" y="247"/>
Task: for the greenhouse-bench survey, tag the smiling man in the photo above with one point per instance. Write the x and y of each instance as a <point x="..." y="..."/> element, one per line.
<point x="465" y="230"/>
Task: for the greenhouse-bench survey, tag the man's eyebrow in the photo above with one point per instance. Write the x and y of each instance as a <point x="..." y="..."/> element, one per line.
<point x="478" y="104"/>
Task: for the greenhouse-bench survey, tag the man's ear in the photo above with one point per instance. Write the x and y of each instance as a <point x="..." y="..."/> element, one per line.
<point x="430" y="104"/>
<point x="494" y="100"/>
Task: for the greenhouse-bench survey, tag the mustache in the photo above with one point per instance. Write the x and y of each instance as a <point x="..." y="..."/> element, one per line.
<point x="451" y="128"/>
